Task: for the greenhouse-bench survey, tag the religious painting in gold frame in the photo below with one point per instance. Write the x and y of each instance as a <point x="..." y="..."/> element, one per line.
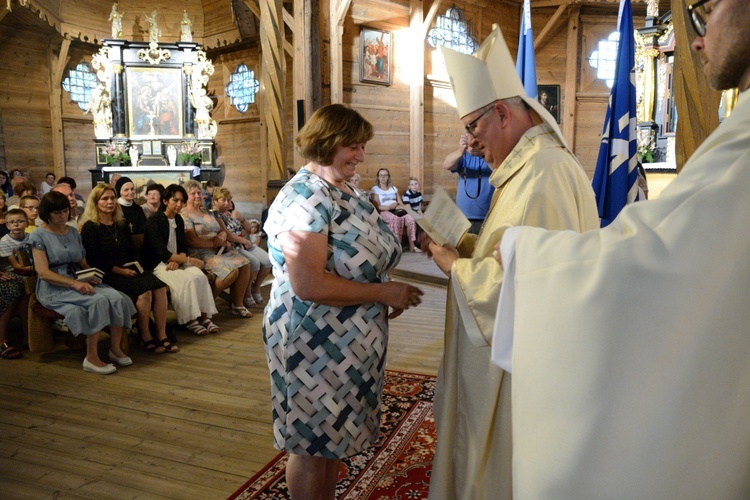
<point x="155" y="102"/>
<point x="375" y="56"/>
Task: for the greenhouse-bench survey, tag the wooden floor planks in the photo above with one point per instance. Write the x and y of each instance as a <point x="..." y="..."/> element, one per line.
<point x="196" y="424"/>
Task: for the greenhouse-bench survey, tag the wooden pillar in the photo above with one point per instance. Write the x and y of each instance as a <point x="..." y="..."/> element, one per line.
<point x="697" y="103"/>
<point x="336" y="28"/>
<point x="416" y="91"/>
<point x="273" y="84"/>
<point x="58" y="60"/>
<point x="571" y="75"/>
<point x="303" y="75"/>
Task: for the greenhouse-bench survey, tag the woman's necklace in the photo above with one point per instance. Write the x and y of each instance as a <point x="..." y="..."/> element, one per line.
<point x="112" y="232"/>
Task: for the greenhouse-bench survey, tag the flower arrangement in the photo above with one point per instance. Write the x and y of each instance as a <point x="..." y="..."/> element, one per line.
<point x="190" y="152"/>
<point x="116" y="152"/>
<point x="646" y="146"/>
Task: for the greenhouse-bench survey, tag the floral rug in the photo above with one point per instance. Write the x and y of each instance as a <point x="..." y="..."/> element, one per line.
<point x="397" y="466"/>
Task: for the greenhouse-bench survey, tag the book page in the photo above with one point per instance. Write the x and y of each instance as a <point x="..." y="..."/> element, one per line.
<point x="443" y="221"/>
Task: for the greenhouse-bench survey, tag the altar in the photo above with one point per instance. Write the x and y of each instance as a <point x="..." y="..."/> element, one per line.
<point x="152" y="115"/>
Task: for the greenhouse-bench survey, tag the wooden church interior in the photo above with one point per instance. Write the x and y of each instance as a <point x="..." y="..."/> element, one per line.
<point x="198" y="425"/>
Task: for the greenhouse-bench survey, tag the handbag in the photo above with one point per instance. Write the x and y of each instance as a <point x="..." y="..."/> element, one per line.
<point x="399" y="212"/>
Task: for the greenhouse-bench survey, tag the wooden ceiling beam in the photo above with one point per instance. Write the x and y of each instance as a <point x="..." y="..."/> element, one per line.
<point x="548" y="27"/>
<point x="253" y="6"/>
<point x="288" y="19"/>
<point x="430" y="17"/>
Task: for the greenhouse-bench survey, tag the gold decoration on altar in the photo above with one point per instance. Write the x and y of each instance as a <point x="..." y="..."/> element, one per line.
<point x="116" y="17"/>
<point x="100" y="103"/>
<point x="154" y="55"/>
<point x="199" y="75"/>
<point x="644" y="78"/>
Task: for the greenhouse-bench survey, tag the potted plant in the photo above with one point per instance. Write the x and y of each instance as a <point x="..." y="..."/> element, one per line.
<point x="190" y="153"/>
<point x="646" y="146"/>
<point x="116" y="153"/>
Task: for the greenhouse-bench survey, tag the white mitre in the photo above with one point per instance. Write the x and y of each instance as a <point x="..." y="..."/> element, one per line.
<point x="489" y="75"/>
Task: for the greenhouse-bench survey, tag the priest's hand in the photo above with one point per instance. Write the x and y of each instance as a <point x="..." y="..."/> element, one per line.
<point x="444" y="256"/>
<point x="424" y="243"/>
<point x="498" y="256"/>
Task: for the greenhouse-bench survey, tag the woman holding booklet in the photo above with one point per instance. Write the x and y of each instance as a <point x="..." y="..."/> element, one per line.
<point x="109" y="246"/>
<point x="88" y="306"/>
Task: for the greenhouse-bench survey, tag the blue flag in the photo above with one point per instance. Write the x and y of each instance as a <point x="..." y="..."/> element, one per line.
<point x="525" y="60"/>
<point x="616" y="174"/>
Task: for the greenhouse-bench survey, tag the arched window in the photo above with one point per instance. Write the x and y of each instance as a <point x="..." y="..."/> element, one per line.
<point x="454" y="32"/>
<point x="80" y="82"/>
<point x="242" y="88"/>
<point x="604" y="59"/>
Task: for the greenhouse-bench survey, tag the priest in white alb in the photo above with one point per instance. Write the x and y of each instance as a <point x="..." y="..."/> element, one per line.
<point x="630" y="346"/>
<point x="537" y="182"/>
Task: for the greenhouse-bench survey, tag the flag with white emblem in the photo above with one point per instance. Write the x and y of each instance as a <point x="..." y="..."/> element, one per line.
<point x="616" y="174"/>
<point x="525" y="59"/>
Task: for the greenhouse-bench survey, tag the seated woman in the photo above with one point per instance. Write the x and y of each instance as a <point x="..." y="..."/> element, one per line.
<point x="153" y="199"/>
<point x="133" y="213"/>
<point x="164" y="250"/>
<point x="384" y="196"/>
<point x="109" y="247"/>
<point x="88" y="306"/>
<point x="205" y="237"/>
<point x="260" y="265"/>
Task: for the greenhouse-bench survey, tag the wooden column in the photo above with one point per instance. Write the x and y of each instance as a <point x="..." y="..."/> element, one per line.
<point x="303" y="75"/>
<point x="336" y="29"/>
<point x="58" y="60"/>
<point x="416" y="91"/>
<point x="273" y="84"/>
<point x="697" y="103"/>
<point x="571" y="75"/>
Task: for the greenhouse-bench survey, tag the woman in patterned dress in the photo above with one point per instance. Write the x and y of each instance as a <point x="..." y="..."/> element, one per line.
<point x="325" y="327"/>
<point x="207" y="240"/>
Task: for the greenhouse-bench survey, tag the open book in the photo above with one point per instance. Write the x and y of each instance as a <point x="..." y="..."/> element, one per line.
<point x="87" y="274"/>
<point x="443" y="221"/>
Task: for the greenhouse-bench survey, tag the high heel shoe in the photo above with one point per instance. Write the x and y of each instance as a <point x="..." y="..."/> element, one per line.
<point x="123" y="361"/>
<point x="88" y="366"/>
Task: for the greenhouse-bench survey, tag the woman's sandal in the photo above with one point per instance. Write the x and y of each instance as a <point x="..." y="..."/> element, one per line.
<point x="209" y="326"/>
<point x="249" y="302"/>
<point x="258" y="298"/>
<point x="7" y="351"/>
<point x="168" y="346"/>
<point x="241" y="311"/>
<point x="196" y="328"/>
<point x="150" y="345"/>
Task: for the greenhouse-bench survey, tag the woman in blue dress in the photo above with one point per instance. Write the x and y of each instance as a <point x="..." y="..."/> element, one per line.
<point x="88" y="306"/>
<point x="325" y="327"/>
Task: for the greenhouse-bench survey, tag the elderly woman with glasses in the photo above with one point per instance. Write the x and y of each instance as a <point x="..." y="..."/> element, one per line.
<point x="88" y="306"/>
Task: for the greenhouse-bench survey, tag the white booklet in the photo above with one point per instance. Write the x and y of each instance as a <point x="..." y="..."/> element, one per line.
<point x="443" y="221"/>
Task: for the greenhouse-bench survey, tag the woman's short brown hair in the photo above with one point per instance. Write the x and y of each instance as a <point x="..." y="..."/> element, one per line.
<point x="331" y="126"/>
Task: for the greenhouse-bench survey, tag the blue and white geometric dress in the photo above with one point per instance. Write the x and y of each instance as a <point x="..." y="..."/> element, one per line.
<point x="326" y="362"/>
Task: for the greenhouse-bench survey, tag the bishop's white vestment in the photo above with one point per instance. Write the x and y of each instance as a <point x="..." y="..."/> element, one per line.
<point x="631" y="345"/>
<point x="540" y="183"/>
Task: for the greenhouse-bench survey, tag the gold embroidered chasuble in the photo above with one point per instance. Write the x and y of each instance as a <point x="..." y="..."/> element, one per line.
<point x="541" y="184"/>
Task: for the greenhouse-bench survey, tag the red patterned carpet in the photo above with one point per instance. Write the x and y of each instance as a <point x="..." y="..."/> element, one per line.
<point x="397" y="466"/>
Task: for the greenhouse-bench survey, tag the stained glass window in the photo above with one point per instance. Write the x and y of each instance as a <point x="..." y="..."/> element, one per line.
<point x="242" y="88"/>
<point x="454" y="32"/>
<point x="604" y="59"/>
<point x="80" y="82"/>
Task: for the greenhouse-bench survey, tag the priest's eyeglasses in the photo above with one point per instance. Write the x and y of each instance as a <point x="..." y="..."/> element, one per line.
<point x="473" y="123"/>
<point x="699" y="13"/>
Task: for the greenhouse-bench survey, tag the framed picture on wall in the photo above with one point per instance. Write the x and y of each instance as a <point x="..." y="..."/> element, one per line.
<point x="549" y="97"/>
<point x="375" y="56"/>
